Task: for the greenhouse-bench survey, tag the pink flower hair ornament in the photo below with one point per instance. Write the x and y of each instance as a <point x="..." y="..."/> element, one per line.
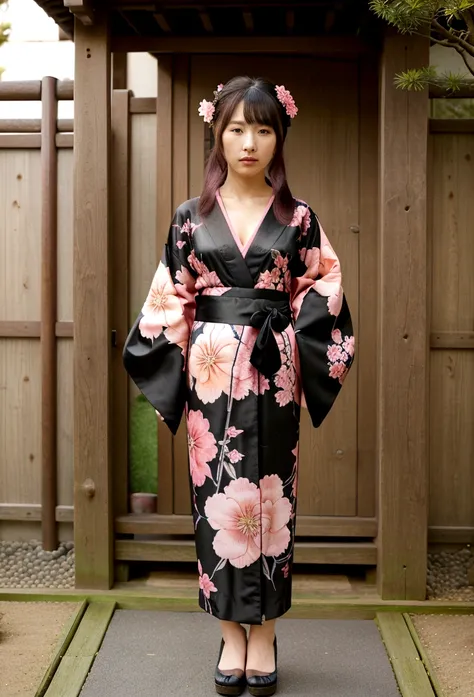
<point x="207" y="109"/>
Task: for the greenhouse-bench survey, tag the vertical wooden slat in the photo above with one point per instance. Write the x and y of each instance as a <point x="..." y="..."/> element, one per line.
<point x="403" y="331"/>
<point x="92" y="336"/>
<point x="164" y="205"/>
<point x="367" y="338"/>
<point x="181" y="498"/>
<point x="119" y="71"/>
<point x="49" y="226"/>
<point x="119" y="261"/>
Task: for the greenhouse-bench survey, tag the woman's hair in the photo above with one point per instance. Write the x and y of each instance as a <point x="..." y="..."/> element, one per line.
<point x="260" y="106"/>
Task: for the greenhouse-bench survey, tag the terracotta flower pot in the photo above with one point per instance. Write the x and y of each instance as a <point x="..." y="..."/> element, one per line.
<point x="142" y="502"/>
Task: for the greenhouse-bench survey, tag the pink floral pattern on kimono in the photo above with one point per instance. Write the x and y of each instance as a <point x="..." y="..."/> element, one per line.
<point x="279" y="277"/>
<point x="163" y="311"/>
<point x="206" y="278"/>
<point x="245" y="528"/>
<point x="210" y="361"/>
<point x="301" y="218"/>
<point x="340" y="354"/>
<point x="205" y="583"/>
<point x="202" y="447"/>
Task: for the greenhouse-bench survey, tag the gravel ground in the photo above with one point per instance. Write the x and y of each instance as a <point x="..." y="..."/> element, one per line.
<point x="448" y="575"/>
<point x="27" y="565"/>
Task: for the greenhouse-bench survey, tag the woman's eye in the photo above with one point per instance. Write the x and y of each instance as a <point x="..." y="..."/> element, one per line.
<point x="265" y="131"/>
<point x="236" y="130"/>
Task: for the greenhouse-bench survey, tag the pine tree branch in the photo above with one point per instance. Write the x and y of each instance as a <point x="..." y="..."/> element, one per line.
<point x="463" y="56"/>
<point x="452" y="37"/>
<point x="468" y="17"/>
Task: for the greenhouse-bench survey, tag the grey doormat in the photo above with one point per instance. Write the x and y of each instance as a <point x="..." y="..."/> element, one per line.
<point x="155" y="654"/>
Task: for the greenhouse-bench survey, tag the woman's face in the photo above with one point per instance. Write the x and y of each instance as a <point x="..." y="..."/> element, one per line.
<point x="248" y="148"/>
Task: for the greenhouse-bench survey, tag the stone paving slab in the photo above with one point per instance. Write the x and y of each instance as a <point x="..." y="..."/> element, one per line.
<point x="148" y="654"/>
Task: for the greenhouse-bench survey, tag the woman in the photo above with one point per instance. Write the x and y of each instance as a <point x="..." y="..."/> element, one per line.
<point x="245" y="313"/>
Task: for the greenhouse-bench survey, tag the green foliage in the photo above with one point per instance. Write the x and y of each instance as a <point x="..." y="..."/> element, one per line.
<point x="449" y="24"/>
<point x="4" y="33"/>
<point x="143" y="447"/>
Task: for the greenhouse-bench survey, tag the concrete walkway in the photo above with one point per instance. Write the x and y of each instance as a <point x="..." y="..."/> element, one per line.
<point x="154" y="654"/>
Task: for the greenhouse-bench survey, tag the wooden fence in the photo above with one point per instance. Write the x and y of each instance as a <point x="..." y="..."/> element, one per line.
<point x="36" y="291"/>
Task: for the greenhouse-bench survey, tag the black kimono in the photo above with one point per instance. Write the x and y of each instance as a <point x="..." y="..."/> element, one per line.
<point x="234" y="336"/>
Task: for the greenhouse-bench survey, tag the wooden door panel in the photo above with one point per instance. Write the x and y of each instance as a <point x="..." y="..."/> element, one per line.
<point x="322" y="156"/>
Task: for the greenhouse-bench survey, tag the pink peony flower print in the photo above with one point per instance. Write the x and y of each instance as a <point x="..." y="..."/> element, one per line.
<point x="311" y="261"/>
<point x="336" y="336"/>
<point x="334" y="353"/>
<point x="335" y="303"/>
<point x="202" y="447"/>
<point x="162" y="309"/>
<point x="232" y="432"/>
<point x="301" y="218"/>
<point x="208" y="279"/>
<point x="198" y="266"/>
<point x="235" y="456"/>
<point x="349" y="345"/>
<point x="280" y="261"/>
<point x="189" y="227"/>
<point x="265" y="280"/>
<point x="206" y="110"/>
<point x="285" y="570"/>
<point x="210" y="361"/>
<point x="180" y="244"/>
<point x="338" y="370"/>
<point x="235" y="514"/>
<point x="205" y="583"/>
<point x="276" y="512"/>
<point x="284" y="397"/>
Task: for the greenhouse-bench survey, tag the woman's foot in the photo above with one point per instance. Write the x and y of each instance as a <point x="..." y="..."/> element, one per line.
<point x="235" y="646"/>
<point x="230" y="669"/>
<point x="260" y="650"/>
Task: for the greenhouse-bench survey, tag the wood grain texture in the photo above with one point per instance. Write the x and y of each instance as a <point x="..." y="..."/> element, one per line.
<point x="65" y="422"/>
<point x="431" y="673"/>
<point x="49" y="293"/>
<point x="367" y="334"/>
<point x="452" y="338"/>
<point x="79" y="657"/>
<point x="65" y="234"/>
<point x="27" y="511"/>
<point x="164" y="206"/>
<point x="403" y="335"/>
<point x="307" y="526"/>
<point x="120" y="184"/>
<point x="181" y="495"/>
<point x="305" y="552"/>
<point x="404" y="658"/>
<point x="92" y="342"/>
<point x="62" y="645"/>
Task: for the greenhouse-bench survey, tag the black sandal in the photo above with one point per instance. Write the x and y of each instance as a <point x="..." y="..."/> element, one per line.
<point x="229" y="682"/>
<point x="263" y="684"/>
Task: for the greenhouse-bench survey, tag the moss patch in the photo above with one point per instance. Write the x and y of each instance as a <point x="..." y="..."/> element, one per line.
<point x="143" y="447"/>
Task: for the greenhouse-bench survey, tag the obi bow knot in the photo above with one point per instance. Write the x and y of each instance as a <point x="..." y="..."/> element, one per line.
<point x="265" y="355"/>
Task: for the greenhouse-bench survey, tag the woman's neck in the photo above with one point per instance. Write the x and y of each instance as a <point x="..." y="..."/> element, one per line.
<point x="241" y="188"/>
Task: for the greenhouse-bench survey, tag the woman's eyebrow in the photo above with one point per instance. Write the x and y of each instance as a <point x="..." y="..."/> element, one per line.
<point x="238" y="123"/>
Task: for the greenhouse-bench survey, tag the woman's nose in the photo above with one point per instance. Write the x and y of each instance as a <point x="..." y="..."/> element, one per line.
<point x="249" y="143"/>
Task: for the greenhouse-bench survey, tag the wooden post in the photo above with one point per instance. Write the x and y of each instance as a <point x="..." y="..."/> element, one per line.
<point x="49" y="228"/>
<point x="120" y="183"/>
<point x="164" y="205"/>
<point x="119" y="71"/>
<point x="403" y="330"/>
<point x="92" y="330"/>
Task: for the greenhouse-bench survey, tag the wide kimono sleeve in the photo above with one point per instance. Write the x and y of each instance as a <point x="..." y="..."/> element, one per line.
<point x="323" y="325"/>
<point x="155" y="351"/>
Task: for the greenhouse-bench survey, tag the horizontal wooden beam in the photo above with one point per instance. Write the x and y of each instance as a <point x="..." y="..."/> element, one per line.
<point x="30" y="90"/>
<point x="33" y="125"/>
<point x="451" y="125"/>
<point x="32" y="512"/>
<point x="32" y="330"/>
<point x="189" y="4"/>
<point x="305" y="552"/>
<point x="143" y="105"/>
<point x="306" y="526"/>
<point x="82" y="9"/>
<point x="32" y="141"/>
<point x="334" y="47"/>
<point x="444" y="534"/>
<point x="452" y="340"/>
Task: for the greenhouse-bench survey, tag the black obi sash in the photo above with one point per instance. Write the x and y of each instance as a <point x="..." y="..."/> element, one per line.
<point x="264" y="309"/>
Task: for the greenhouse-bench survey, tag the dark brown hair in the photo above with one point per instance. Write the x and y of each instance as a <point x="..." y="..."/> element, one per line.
<point x="261" y="106"/>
